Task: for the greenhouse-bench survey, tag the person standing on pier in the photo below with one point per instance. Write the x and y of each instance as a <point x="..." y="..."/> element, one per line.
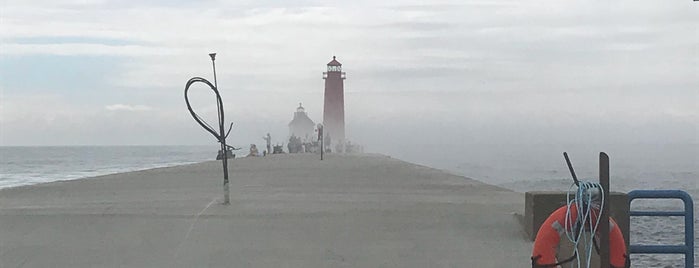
<point x="268" y="139"/>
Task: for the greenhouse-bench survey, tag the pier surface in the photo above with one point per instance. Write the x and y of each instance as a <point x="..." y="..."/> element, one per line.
<point x="285" y="211"/>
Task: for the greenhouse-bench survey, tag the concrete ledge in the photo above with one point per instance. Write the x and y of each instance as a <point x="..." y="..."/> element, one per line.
<point x="538" y="205"/>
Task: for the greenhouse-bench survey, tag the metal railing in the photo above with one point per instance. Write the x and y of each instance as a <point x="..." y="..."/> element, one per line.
<point x="688" y="248"/>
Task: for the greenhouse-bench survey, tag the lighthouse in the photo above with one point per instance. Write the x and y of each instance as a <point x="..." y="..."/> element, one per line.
<point x="334" y="105"/>
<point x="301" y="126"/>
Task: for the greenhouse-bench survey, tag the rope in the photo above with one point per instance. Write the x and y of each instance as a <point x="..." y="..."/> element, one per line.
<point x="589" y="199"/>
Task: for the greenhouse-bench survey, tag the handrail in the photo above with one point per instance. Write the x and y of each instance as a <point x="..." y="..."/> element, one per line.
<point x="688" y="248"/>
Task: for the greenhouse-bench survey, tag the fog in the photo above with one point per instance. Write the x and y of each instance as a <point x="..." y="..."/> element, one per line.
<point x="451" y="73"/>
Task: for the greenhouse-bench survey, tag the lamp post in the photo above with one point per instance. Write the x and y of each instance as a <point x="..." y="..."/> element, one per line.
<point x="220" y="134"/>
<point x="224" y="148"/>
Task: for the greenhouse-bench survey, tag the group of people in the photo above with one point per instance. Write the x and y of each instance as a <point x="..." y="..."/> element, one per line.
<point x="297" y="145"/>
<point x="268" y="139"/>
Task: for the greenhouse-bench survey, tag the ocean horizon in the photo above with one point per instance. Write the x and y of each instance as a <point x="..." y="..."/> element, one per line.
<point x="541" y="166"/>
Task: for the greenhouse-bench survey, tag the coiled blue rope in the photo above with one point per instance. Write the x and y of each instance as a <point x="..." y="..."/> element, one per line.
<point x="589" y="200"/>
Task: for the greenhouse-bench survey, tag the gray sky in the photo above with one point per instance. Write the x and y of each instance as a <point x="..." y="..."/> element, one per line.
<point x="100" y="72"/>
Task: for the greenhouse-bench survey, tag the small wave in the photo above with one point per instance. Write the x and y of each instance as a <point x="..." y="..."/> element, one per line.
<point x="22" y="179"/>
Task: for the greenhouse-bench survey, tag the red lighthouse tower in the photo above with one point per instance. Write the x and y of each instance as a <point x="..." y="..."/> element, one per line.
<point x="334" y="108"/>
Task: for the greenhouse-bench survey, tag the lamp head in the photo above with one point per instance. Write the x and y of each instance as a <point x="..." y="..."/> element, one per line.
<point x="213" y="56"/>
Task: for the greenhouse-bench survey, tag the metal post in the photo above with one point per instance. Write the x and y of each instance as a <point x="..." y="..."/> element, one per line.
<point x="570" y="167"/>
<point x="321" y="137"/>
<point x="224" y="148"/>
<point x="604" y="222"/>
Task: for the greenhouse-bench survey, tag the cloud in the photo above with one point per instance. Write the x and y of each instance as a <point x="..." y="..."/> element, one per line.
<point x="84" y="49"/>
<point x="126" y="107"/>
<point x="462" y="64"/>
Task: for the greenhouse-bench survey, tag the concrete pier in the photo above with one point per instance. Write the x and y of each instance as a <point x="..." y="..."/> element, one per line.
<point x="286" y="211"/>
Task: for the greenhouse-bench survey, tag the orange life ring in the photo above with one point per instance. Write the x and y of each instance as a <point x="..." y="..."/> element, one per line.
<point x="549" y="235"/>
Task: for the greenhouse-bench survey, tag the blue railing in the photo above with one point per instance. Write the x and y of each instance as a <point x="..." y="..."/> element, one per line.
<point x="688" y="248"/>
